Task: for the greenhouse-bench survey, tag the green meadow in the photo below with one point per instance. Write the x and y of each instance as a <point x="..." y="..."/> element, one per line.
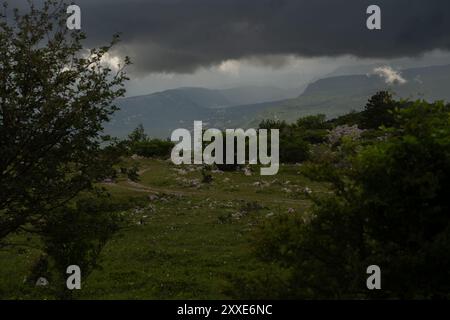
<point x="183" y="239"/>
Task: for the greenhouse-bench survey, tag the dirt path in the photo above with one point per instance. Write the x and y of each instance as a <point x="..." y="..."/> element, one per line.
<point x="138" y="187"/>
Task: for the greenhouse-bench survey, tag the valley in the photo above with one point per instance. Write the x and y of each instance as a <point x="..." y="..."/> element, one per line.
<point x="163" y="112"/>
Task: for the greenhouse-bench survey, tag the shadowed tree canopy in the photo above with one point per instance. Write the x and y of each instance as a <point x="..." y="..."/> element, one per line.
<point x="54" y="97"/>
<point x="387" y="205"/>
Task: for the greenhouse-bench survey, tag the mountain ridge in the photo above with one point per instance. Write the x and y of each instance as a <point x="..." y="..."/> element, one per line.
<point x="164" y="111"/>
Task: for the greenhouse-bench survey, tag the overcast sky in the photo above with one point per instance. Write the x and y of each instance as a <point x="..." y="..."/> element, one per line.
<point x="285" y="43"/>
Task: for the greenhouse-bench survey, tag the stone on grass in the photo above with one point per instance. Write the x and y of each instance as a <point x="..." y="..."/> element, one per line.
<point x="42" y="282"/>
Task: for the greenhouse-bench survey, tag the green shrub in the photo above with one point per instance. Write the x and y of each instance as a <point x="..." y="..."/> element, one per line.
<point x="390" y="207"/>
<point x="75" y="235"/>
<point x="154" y="148"/>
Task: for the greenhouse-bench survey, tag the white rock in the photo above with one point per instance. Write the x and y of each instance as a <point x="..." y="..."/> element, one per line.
<point x="287" y="190"/>
<point x="42" y="282"/>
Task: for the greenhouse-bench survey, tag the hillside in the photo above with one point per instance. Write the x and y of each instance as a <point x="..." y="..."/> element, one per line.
<point x="338" y="95"/>
<point x="162" y="112"/>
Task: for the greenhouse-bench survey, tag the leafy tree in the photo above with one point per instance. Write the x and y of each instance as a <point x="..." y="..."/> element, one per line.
<point x="293" y="149"/>
<point x="138" y="135"/>
<point x="139" y="143"/>
<point x="273" y="124"/>
<point x="379" y="111"/>
<point x="313" y="122"/>
<point x="313" y="129"/>
<point x="296" y="139"/>
<point x="54" y="98"/>
<point x="153" y="148"/>
<point x="390" y="207"/>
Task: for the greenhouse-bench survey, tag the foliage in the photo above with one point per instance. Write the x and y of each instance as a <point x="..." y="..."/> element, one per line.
<point x="390" y="207"/>
<point x="138" y="135"/>
<point x="55" y="97"/>
<point x="297" y="139"/>
<point x="140" y="144"/>
<point x="339" y="133"/>
<point x="75" y="235"/>
<point x="54" y="100"/>
<point x="350" y="119"/>
<point x="154" y="148"/>
<point x="379" y="111"/>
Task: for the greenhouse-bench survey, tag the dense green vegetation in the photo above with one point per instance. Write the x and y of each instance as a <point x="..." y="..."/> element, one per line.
<point x="365" y="188"/>
<point x="138" y="143"/>
<point x="362" y="197"/>
<point x="389" y="206"/>
<point x="297" y="139"/>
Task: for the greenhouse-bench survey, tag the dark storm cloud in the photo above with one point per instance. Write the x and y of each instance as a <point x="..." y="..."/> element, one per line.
<point x="183" y="35"/>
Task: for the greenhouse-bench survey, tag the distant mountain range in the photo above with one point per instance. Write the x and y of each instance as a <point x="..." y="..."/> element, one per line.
<point x="162" y="112"/>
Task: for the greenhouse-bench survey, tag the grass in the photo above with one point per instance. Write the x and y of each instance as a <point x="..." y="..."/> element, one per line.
<point x="184" y="244"/>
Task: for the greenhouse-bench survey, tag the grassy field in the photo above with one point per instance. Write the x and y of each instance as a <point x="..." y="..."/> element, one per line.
<point x="185" y="239"/>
